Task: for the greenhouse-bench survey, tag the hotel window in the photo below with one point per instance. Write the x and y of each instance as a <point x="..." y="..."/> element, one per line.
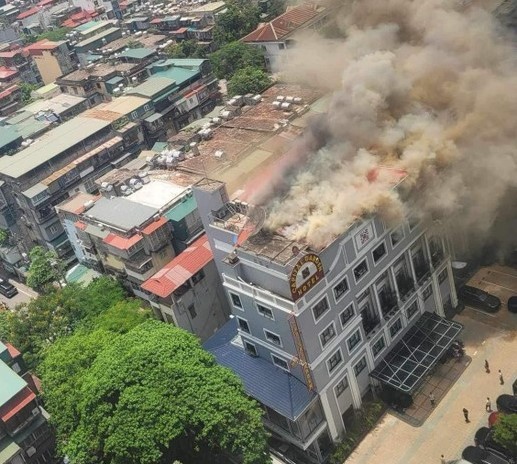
<point x="273" y="338"/>
<point x="396" y="327"/>
<point x="346" y="315"/>
<point x="428" y="291"/>
<point x="236" y="300"/>
<point x="442" y="276"/>
<point x="378" y="346"/>
<point x="360" y="366"/>
<point x="412" y="310"/>
<point x="320" y="308"/>
<point x="397" y="236"/>
<point x="360" y="271"/>
<point x="354" y="340"/>
<point x="266" y="312"/>
<point x="280" y="362"/>
<point x="328" y="334"/>
<point x="334" y="361"/>
<point x="340" y="289"/>
<point x="243" y="325"/>
<point x="341" y="387"/>
<point x="250" y="348"/>
<point x="379" y="253"/>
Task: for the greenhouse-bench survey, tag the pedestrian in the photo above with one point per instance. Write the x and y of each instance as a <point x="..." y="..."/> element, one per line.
<point x="501" y="378"/>
<point x="442" y="460"/>
<point x="432" y="400"/>
<point x="488" y="405"/>
<point x="466" y="415"/>
<point x="487" y="367"/>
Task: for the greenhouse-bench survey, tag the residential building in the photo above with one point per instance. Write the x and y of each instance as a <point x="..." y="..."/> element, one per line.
<point x="275" y="37"/>
<point x="25" y="433"/>
<point x="67" y="159"/>
<point x="182" y="90"/>
<point x="101" y="38"/>
<point x="97" y="82"/>
<point x="16" y="65"/>
<point x="52" y="59"/>
<point x="10" y="98"/>
<point x="209" y="11"/>
<point x="326" y="326"/>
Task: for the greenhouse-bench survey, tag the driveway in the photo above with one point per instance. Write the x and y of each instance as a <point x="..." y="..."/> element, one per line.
<point x="491" y="337"/>
<point x="24" y="295"/>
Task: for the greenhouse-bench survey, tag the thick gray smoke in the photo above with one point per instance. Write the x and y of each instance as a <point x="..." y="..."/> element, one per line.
<point x="427" y="87"/>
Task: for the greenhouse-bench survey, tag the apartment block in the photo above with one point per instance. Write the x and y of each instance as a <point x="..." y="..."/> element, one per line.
<point x="63" y="161"/>
<point x="324" y="328"/>
<point x="25" y="433"/>
<point x="51" y="58"/>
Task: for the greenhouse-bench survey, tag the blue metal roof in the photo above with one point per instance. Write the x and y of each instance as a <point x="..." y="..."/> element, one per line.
<point x="262" y="380"/>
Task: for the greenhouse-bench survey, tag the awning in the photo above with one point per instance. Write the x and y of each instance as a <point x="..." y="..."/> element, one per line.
<point x="411" y="359"/>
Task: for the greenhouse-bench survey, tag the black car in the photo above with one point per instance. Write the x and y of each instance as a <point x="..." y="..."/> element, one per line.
<point x="7" y="289"/>
<point x="512" y="304"/>
<point x="484" y="439"/>
<point x="507" y="404"/>
<point x="480" y="299"/>
<point x="477" y="455"/>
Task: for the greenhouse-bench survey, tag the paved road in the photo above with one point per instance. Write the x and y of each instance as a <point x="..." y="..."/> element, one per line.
<point x="24" y="295"/>
<point x="445" y="432"/>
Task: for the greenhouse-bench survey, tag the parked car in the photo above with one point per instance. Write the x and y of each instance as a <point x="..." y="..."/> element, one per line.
<point x="484" y="438"/>
<point x="477" y="455"/>
<point x="7" y="289"/>
<point x="507" y="404"/>
<point x="512" y="304"/>
<point x="480" y="299"/>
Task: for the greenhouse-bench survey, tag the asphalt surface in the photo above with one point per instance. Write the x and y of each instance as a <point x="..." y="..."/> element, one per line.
<point x="24" y="295"/>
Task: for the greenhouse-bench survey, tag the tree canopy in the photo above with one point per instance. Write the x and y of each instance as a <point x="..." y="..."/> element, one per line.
<point x="234" y="56"/>
<point x="45" y="268"/>
<point x="149" y="396"/>
<point x="54" y="35"/>
<point x="248" y="80"/>
<point x="505" y="432"/>
<point x="186" y="49"/>
<point x="36" y="325"/>
<point x="240" y="18"/>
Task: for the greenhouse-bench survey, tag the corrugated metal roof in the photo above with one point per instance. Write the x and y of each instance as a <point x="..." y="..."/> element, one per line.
<point x="12" y="383"/>
<point x="35" y="190"/>
<point x="152" y="87"/>
<point x="180" y="269"/>
<point x="138" y="53"/>
<point x="50" y="145"/>
<point x="268" y="384"/>
<point x="9" y="451"/>
<point x="181" y="210"/>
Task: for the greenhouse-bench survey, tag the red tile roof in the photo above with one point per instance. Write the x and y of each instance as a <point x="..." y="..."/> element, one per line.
<point x="80" y="225"/>
<point x="29" y="12"/>
<point x="6" y="73"/>
<point x="12" y="350"/>
<point x="284" y="24"/>
<point x="45" y="2"/>
<point x="16" y="404"/>
<point x="156" y="21"/>
<point x="181" y="30"/>
<point x="10" y="53"/>
<point x="44" y="44"/>
<point x="155" y="225"/>
<point x="122" y="243"/>
<point x="180" y="269"/>
<point x="8" y="91"/>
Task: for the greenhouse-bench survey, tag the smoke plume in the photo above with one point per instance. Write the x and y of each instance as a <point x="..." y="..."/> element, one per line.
<point x="425" y="87"/>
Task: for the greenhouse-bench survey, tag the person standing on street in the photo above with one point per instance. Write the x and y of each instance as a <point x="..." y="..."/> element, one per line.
<point x="432" y="400"/>
<point x="466" y="415"/>
<point x="487" y="367"/>
<point x="488" y="405"/>
<point x="501" y="378"/>
<point x="442" y="460"/>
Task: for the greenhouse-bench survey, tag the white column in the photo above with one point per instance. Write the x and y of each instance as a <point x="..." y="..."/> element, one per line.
<point x="437" y="295"/>
<point x="354" y="389"/>
<point x="454" y="295"/>
<point x="428" y="252"/>
<point x="377" y="302"/>
<point x="394" y="282"/>
<point x="411" y="265"/>
<point x="328" y="414"/>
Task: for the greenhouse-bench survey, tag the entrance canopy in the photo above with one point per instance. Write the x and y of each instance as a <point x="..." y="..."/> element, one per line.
<point x="412" y="358"/>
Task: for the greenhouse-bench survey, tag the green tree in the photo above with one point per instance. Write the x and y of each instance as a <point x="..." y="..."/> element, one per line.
<point x="186" y="49"/>
<point x="505" y="432"/>
<point x="27" y="90"/>
<point x="154" y="395"/>
<point x="45" y="268"/>
<point x="248" y="80"/>
<point x="275" y="8"/>
<point x="240" y="18"/>
<point x="234" y="56"/>
<point x="4" y="237"/>
<point x="56" y="35"/>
